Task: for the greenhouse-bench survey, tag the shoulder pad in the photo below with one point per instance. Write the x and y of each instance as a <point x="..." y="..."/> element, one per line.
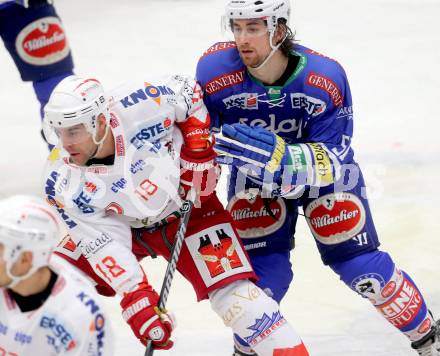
<point x="220" y="58"/>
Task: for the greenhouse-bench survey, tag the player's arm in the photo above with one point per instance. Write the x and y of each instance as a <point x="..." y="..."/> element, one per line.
<point x="267" y="160"/>
<point x="198" y="167"/>
<point x="105" y="243"/>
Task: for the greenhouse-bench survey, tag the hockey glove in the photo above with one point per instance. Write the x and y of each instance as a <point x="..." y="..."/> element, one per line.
<point x="199" y="171"/>
<point x="254" y="150"/>
<point x="146" y="320"/>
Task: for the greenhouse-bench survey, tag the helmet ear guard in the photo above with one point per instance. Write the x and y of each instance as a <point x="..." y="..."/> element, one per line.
<point x="27" y="224"/>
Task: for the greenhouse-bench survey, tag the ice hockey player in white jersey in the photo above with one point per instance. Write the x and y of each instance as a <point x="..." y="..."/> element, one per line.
<point x="45" y="309"/>
<point x="122" y="164"/>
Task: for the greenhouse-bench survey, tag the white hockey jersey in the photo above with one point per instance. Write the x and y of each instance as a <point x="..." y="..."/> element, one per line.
<point x="70" y="322"/>
<point x="100" y="203"/>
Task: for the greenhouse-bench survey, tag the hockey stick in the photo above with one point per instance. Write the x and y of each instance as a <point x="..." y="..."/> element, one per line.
<point x="172" y="264"/>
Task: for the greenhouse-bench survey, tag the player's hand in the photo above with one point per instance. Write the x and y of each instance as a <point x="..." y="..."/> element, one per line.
<point x="199" y="171"/>
<point x="147" y="321"/>
<point x="255" y="150"/>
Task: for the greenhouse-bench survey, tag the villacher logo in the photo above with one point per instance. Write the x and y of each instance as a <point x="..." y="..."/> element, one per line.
<point x="42" y="42"/>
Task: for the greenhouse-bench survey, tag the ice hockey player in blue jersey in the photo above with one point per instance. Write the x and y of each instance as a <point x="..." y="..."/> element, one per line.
<point x="285" y="112"/>
<point x="35" y="38"/>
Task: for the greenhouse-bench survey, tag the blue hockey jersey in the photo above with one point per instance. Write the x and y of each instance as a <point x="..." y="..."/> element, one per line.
<point x="314" y="107"/>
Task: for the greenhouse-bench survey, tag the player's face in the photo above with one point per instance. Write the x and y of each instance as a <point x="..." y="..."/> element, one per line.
<point x="252" y="39"/>
<point x="78" y="142"/>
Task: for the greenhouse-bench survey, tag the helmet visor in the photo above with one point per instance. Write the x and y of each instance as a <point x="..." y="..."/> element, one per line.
<point x="66" y="136"/>
<point x="249" y="28"/>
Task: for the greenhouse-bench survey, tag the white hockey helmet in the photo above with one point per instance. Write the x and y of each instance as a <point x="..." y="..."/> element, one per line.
<point x="27" y="223"/>
<point x="75" y="100"/>
<point x="269" y="10"/>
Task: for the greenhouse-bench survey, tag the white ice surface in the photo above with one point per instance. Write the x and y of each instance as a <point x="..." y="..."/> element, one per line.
<point x="391" y="52"/>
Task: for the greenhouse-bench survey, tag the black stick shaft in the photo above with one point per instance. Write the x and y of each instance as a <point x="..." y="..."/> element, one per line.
<point x="172" y="264"/>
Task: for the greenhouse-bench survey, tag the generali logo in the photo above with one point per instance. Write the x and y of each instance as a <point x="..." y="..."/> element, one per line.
<point x="42" y="42"/>
<point x="326" y="84"/>
<point x="219" y="46"/>
<point x="224" y="81"/>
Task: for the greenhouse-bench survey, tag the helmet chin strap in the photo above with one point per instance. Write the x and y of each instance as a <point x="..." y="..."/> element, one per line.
<point x="17" y="279"/>
<point x="99" y="143"/>
<point x="274" y="49"/>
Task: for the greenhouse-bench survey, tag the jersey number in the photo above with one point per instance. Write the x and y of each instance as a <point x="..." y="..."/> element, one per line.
<point x="146" y="189"/>
<point x="111" y="266"/>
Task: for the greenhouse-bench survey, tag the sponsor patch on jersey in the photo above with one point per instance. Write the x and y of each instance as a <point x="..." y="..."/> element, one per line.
<point x="276" y="126"/>
<point x="326" y="84"/>
<point x="322" y="164"/>
<point x="137" y="166"/>
<point x="98" y="323"/>
<point x="369" y="286"/>
<point x="114" y="122"/>
<point x="99" y="170"/>
<point x="120" y="146"/>
<point x="118" y="185"/>
<point x="236" y="310"/>
<point x="50" y="197"/>
<point x="219" y="46"/>
<point x="42" y="42"/>
<point x="217" y="253"/>
<point x="336" y="217"/>
<point x="245" y="101"/>
<point x="82" y="201"/>
<point x="20" y="338"/>
<point x="114" y="208"/>
<point x="90" y="188"/>
<point x="311" y="105"/>
<point x="57" y="335"/>
<point x="148" y="92"/>
<point x="68" y="243"/>
<point x="224" y="81"/>
<point x="264" y="327"/>
<point x="3" y="327"/>
<point x="297" y="163"/>
<point x="404" y="306"/>
<point x="91" y="247"/>
<point x="252" y="218"/>
<point x="345" y="112"/>
<point x="151" y="132"/>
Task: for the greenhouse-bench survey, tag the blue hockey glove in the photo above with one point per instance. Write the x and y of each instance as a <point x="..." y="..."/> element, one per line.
<point x="258" y="151"/>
